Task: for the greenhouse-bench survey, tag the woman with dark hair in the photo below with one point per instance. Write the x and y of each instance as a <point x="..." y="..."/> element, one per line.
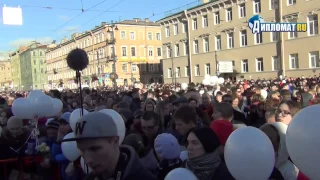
<point x="286" y="110"/>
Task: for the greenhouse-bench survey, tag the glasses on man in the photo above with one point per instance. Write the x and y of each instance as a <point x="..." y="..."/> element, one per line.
<point x="283" y="113"/>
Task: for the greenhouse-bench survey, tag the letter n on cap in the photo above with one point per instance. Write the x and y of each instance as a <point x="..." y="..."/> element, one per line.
<point x="79" y="127"/>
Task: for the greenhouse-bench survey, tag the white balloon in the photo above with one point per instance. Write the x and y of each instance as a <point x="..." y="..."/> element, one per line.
<point x="22" y="108"/>
<point x="180" y="173"/>
<point x="184" y="86"/>
<point x="206" y="82"/>
<point x="184" y="155"/>
<point x="70" y="149"/>
<point x="42" y="106"/>
<point x="213" y="79"/>
<point x="249" y="148"/>
<point x="57" y="106"/>
<point x="34" y="94"/>
<point x="207" y="76"/>
<point x="264" y="94"/>
<point x="220" y="80"/>
<point x="75" y="116"/>
<point x="121" y="127"/>
<point x="302" y="140"/>
<point x="86" y="169"/>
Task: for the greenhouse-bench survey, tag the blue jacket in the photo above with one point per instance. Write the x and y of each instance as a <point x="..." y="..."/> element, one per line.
<point x="58" y="156"/>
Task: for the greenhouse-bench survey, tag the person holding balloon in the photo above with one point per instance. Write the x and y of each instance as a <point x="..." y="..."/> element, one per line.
<point x="56" y="152"/>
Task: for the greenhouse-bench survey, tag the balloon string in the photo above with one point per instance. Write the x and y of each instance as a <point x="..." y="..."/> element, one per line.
<point x="80" y="92"/>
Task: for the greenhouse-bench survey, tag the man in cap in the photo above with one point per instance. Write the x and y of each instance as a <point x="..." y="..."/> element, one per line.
<point x="98" y="140"/>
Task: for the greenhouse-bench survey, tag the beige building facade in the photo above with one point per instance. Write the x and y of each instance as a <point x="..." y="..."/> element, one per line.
<point x="135" y="45"/>
<point x="218" y="31"/>
<point x="5" y="71"/>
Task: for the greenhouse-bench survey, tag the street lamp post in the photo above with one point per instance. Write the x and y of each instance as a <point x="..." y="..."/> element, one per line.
<point x="113" y="28"/>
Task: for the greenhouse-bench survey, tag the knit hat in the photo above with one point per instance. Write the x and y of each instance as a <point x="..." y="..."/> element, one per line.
<point x="65" y="117"/>
<point x="53" y="124"/>
<point x="167" y="146"/>
<point x="222" y="129"/>
<point x="14" y="122"/>
<point x="207" y="137"/>
<point x="95" y="125"/>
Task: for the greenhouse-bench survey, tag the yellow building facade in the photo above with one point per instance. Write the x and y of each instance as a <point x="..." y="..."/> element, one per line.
<point x="218" y="31"/>
<point x="135" y="45"/>
<point x="5" y="71"/>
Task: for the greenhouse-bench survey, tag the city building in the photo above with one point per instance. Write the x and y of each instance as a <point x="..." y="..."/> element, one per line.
<point x="5" y="71"/>
<point x="15" y="68"/>
<point x="130" y="48"/>
<point x="217" y="31"/>
<point x="28" y="67"/>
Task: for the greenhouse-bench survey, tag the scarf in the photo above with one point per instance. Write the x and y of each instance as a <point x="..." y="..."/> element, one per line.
<point x="204" y="166"/>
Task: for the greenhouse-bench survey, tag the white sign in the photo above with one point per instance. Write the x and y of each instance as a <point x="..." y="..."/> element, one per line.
<point x="225" y="67"/>
<point x="12" y="16"/>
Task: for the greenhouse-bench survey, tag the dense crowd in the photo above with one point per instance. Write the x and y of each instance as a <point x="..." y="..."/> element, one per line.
<point x="167" y="126"/>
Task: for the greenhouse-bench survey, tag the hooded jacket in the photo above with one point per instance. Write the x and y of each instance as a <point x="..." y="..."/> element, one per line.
<point x="288" y="170"/>
<point x="132" y="169"/>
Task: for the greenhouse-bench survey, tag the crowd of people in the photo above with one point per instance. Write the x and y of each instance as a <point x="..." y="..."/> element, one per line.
<point x="166" y="127"/>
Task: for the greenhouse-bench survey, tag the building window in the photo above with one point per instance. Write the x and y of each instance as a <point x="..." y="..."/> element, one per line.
<point x="177" y="50"/>
<point x="294" y="61"/>
<point x="218" y="42"/>
<point x="272" y="4"/>
<point x="124" y="51"/>
<point x="275" y="36"/>
<point x="134" y="67"/>
<point x="229" y="14"/>
<point x="151" y="68"/>
<point x="167" y="31"/>
<point x="259" y="63"/>
<point x="242" y="10"/>
<point x="194" y="24"/>
<point x="132" y="36"/>
<point x="256" y="6"/>
<point x="207" y="69"/>
<point x="169" y="51"/>
<point x="195" y="47"/>
<point x="314" y="59"/>
<point x="291" y="2"/>
<point x="276" y="66"/>
<point x="197" y="70"/>
<point x="187" y="71"/>
<point x="158" y="36"/>
<point x="186" y="48"/>
<point x="150" y="51"/>
<point x="206" y="45"/>
<point x="184" y="27"/>
<point x="124" y="67"/>
<point x="159" y="51"/>
<point x="178" y="72"/>
<point x="243" y="40"/>
<point x="205" y="21"/>
<point x="169" y="73"/>
<point x="216" y="18"/>
<point x="258" y="38"/>
<point x="245" y="66"/>
<point x="123" y="35"/>
<point x="313" y="24"/>
<point x="175" y="29"/>
<point x="230" y="40"/>
<point x="149" y="35"/>
<point x="133" y="51"/>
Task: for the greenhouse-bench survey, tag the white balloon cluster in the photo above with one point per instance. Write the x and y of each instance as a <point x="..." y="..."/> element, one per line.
<point x="212" y="80"/>
<point x="37" y="104"/>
